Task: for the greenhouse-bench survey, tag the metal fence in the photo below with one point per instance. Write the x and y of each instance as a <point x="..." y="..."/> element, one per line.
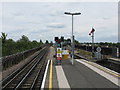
<point x="104" y="50"/>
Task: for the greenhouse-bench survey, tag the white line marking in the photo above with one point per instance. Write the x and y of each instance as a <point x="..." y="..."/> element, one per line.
<point x="62" y="81"/>
<point x="102" y="73"/>
<point x="44" y="78"/>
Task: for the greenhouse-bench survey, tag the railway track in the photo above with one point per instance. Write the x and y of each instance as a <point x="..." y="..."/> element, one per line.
<point x="105" y="63"/>
<point x="30" y="76"/>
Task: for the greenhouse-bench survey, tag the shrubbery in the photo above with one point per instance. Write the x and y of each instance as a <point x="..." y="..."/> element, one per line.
<point x="9" y="46"/>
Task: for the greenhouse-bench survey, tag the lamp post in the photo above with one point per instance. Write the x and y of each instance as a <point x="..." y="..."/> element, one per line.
<point x="72" y="41"/>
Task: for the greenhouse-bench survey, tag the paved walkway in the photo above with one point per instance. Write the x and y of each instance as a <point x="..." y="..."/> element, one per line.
<point x="81" y="75"/>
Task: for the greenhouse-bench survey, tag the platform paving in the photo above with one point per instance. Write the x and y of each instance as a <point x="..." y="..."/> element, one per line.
<point x="78" y="76"/>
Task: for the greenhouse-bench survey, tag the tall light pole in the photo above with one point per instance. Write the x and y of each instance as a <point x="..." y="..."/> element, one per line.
<point x="72" y="41"/>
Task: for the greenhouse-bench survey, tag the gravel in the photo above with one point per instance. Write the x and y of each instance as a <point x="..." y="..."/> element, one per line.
<point x="10" y="70"/>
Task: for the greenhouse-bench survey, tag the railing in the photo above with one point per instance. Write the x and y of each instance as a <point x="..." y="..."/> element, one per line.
<point x="10" y="60"/>
<point x="105" y="50"/>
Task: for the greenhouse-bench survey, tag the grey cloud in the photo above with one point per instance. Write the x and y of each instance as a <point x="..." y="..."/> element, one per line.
<point x="17" y="31"/>
<point x="104" y="18"/>
<point x="103" y="39"/>
<point x="82" y="38"/>
<point x="102" y="28"/>
<point x="57" y="13"/>
<point x="41" y="31"/>
<point x="52" y="14"/>
<point x="111" y="38"/>
<point x="17" y="14"/>
<point x="45" y="13"/>
<point x="56" y="25"/>
<point x="51" y="26"/>
<point x="32" y="22"/>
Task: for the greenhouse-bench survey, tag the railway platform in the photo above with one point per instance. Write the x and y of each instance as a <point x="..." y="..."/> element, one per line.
<point x="114" y="60"/>
<point x="83" y="74"/>
<point x="43" y="72"/>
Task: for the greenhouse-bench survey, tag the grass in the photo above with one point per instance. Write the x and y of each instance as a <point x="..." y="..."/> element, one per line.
<point x="84" y="53"/>
<point x="88" y="55"/>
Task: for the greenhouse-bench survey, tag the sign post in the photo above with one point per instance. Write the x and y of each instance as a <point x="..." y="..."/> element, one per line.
<point x="65" y="53"/>
<point x="98" y="53"/>
<point x="98" y="49"/>
<point x="59" y="55"/>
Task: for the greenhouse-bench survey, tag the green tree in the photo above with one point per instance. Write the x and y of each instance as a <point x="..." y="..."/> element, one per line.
<point x="34" y="43"/>
<point x="25" y="39"/>
<point x="23" y="43"/>
<point x="41" y="41"/>
<point x="4" y="36"/>
<point x="11" y="47"/>
<point x="76" y="42"/>
<point x="8" y="47"/>
<point x="51" y="42"/>
<point x="101" y="44"/>
<point x="46" y="42"/>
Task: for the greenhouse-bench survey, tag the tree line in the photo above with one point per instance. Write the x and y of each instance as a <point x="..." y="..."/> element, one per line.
<point x="103" y="44"/>
<point x="97" y="44"/>
<point x="9" y="46"/>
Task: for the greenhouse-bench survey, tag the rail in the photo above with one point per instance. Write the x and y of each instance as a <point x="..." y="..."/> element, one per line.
<point x="21" y="76"/>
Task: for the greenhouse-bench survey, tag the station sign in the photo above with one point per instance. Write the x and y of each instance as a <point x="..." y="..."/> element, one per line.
<point x="98" y="55"/>
<point x="59" y="55"/>
<point x="59" y="50"/>
<point x="65" y="52"/>
<point x="58" y="45"/>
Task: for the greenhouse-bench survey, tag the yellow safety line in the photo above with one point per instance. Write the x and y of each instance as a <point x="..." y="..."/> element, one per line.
<point x="108" y="71"/>
<point x="50" y="77"/>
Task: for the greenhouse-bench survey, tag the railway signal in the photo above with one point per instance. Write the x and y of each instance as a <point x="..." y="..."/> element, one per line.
<point x="59" y="50"/>
<point x="56" y="39"/>
<point x="62" y="39"/>
<point x="92" y="32"/>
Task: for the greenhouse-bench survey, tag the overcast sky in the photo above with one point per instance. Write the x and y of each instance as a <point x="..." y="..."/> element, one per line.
<point x="45" y="20"/>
